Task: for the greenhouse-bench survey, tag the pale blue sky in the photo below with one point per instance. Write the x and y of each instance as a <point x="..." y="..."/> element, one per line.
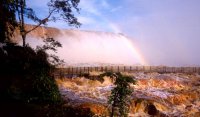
<point x="165" y="31"/>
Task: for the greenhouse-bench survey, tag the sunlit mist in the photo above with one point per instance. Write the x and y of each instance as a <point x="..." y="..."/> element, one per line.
<point x="97" y="47"/>
<point x="81" y="48"/>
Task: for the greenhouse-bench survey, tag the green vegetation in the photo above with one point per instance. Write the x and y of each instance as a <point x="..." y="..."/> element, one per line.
<point x="14" y="12"/>
<point x="120" y="94"/>
<point x="27" y="74"/>
<point x="27" y="86"/>
<point x="8" y="21"/>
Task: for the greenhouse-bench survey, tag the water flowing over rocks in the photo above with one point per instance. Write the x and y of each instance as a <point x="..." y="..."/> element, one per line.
<point x="86" y="48"/>
<point x="160" y="95"/>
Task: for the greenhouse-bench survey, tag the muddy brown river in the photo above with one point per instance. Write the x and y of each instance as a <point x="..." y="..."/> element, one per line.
<point x="160" y="95"/>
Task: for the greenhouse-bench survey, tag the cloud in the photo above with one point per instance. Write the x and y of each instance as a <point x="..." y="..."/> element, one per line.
<point x="94" y="16"/>
<point x="89" y="6"/>
<point x="115" y="28"/>
<point x="168" y="31"/>
<point x="116" y="9"/>
<point x="39" y="7"/>
<point x="105" y="4"/>
<point x="86" y="20"/>
<point x="37" y="3"/>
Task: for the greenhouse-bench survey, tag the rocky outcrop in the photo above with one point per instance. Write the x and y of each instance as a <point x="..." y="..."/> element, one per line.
<point x="38" y="33"/>
<point x="158" y="95"/>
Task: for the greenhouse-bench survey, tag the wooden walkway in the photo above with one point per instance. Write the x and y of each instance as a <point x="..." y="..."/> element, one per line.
<point x="159" y="69"/>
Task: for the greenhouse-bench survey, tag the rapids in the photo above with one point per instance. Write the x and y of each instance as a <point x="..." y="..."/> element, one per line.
<point x="172" y="94"/>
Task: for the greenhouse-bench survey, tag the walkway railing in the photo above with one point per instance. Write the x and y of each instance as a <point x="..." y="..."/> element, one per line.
<point x="159" y="69"/>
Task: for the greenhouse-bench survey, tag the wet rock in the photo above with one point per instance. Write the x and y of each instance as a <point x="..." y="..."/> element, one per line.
<point x="95" y="108"/>
<point x="162" y="115"/>
<point x="188" y="107"/>
<point x="158" y="95"/>
<point x="151" y="109"/>
<point x="197" y="114"/>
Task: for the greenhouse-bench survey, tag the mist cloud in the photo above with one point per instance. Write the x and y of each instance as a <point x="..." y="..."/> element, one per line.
<point x="166" y="31"/>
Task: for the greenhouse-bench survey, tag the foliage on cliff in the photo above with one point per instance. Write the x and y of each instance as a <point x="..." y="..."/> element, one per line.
<point x="26" y="75"/>
<point x="8" y="21"/>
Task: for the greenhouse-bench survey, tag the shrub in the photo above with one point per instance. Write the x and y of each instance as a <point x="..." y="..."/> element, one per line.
<point x="120" y="94"/>
<point x="25" y="75"/>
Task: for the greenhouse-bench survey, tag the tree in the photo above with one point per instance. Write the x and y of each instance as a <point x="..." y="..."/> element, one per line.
<point x="22" y="68"/>
<point x="120" y="94"/>
<point x="52" y="45"/>
<point x="7" y="20"/>
<point x="63" y="7"/>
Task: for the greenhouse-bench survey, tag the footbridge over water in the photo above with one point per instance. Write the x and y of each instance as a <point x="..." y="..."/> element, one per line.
<point x="70" y="71"/>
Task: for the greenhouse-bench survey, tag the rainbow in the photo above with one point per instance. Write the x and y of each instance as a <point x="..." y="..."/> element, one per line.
<point x="134" y="51"/>
<point x="99" y="47"/>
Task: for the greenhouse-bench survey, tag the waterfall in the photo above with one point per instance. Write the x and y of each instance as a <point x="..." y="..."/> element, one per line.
<point x="83" y="48"/>
<point x="97" y="48"/>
